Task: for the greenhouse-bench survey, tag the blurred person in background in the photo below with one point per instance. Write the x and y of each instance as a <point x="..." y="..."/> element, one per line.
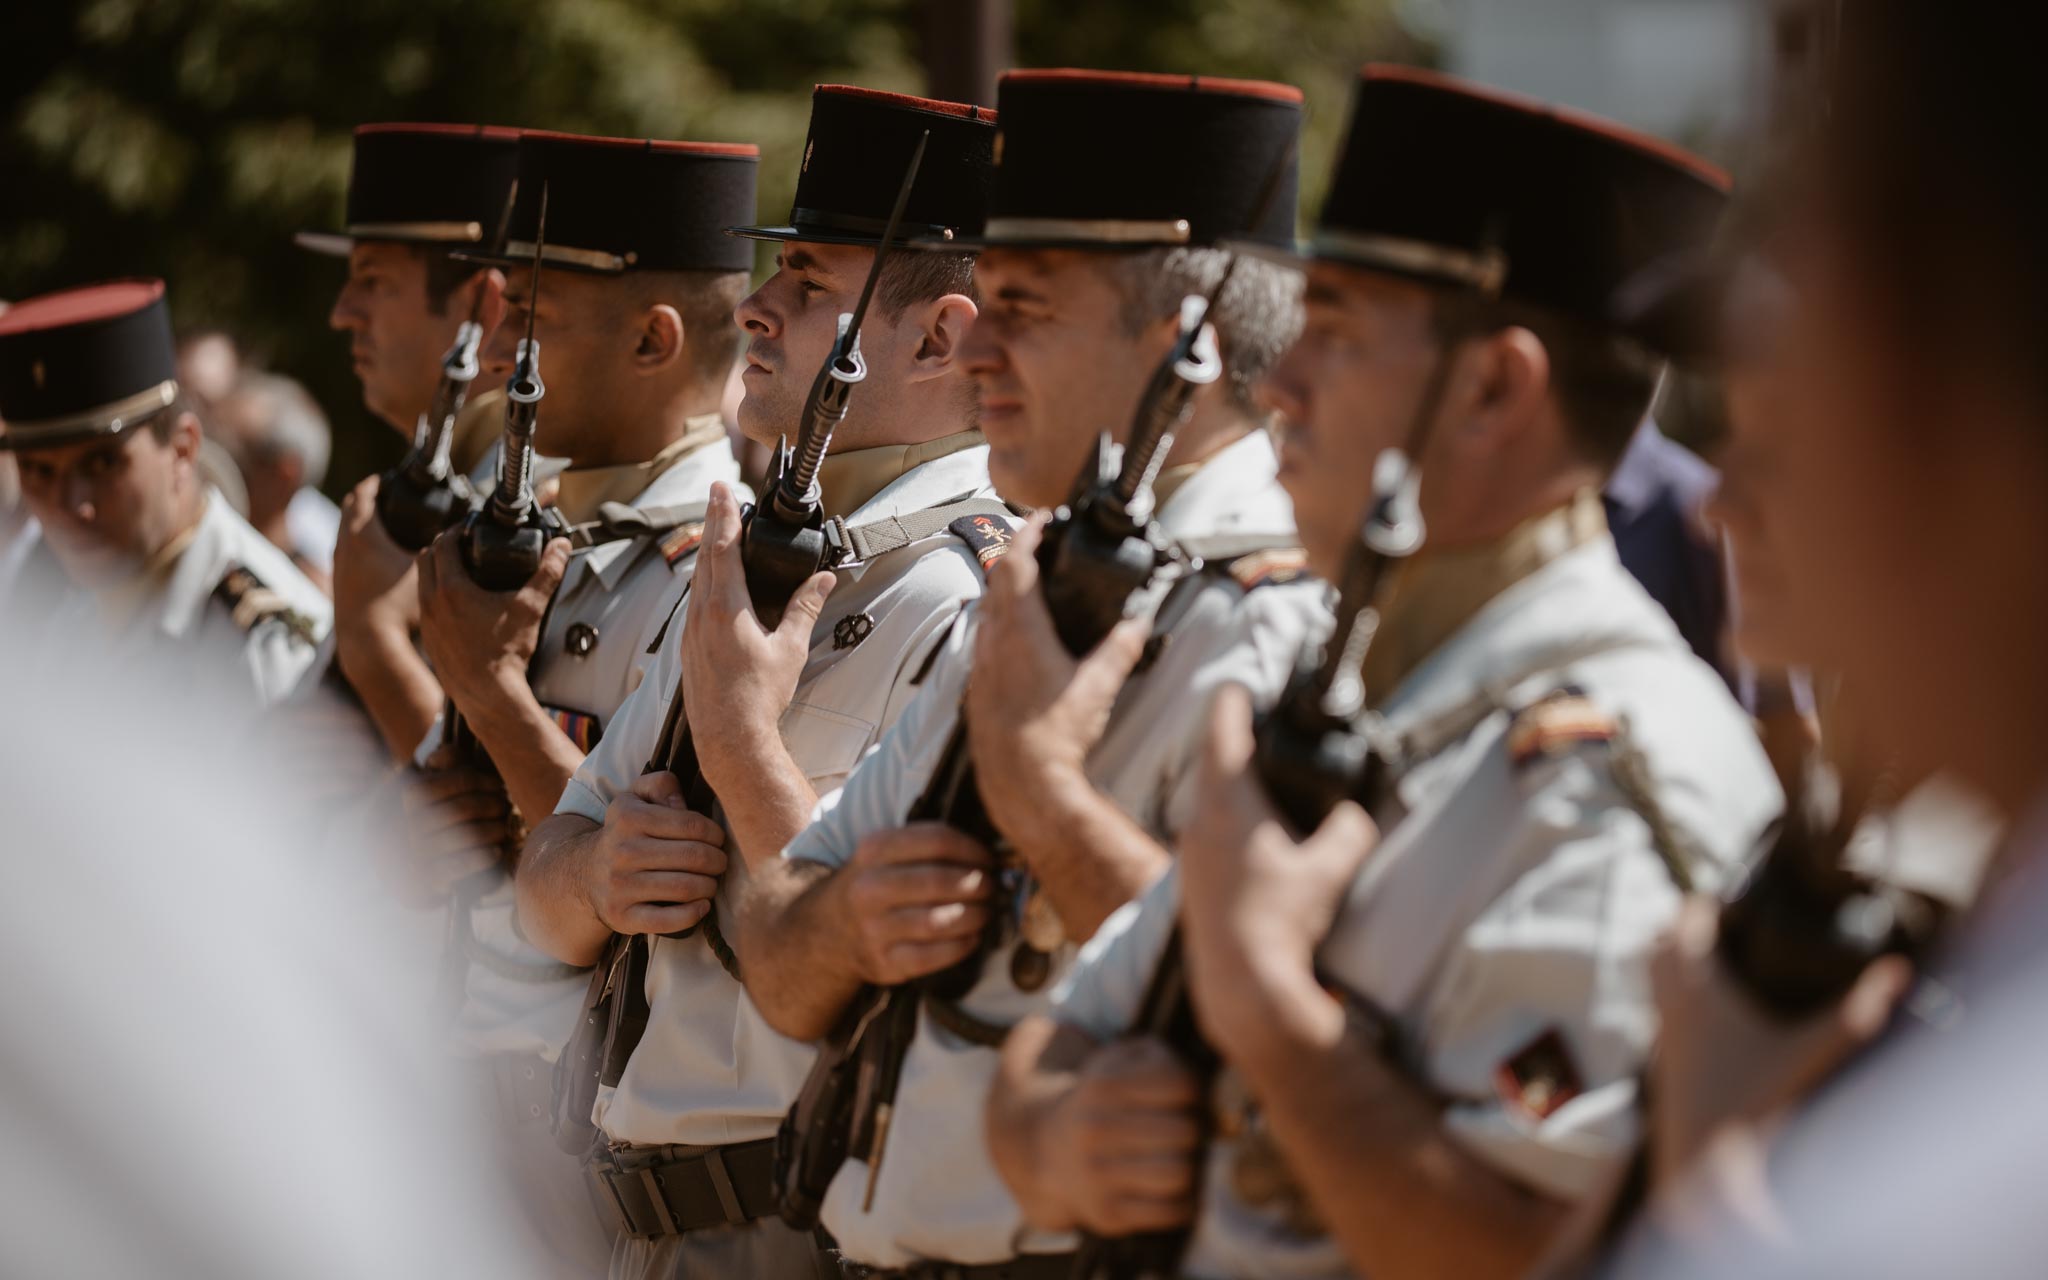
<point x="1904" y="495"/>
<point x="1653" y="501"/>
<point x="416" y="193"/>
<point x="108" y="453"/>
<point x="279" y="439"/>
<point x="209" y="365"/>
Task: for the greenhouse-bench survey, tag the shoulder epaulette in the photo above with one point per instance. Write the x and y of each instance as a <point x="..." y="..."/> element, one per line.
<point x="681" y="541"/>
<point x="252" y="604"/>
<point x="1254" y="561"/>
<point x="678" y="528"/>
<point x="986" y="534"/>
<point x="1556" y="723"/>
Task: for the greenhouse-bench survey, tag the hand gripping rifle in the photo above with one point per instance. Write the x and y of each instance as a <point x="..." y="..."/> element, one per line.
<point x="783" y="542"/>
<point x="422" y="495"/>
<point x="1099" y="552"/>
<point x="1312" y="752"/>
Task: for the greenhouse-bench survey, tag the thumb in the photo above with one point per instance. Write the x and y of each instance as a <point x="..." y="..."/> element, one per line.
<point x="554" y="562"/>
<point x="1114" y="659"/>
<point x="660" y="788"/>
<point x="806" y="605"/>
<point x="1341" y="844"/>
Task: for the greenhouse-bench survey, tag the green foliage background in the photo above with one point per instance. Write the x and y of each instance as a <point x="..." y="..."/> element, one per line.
<point x="190" y="138"/>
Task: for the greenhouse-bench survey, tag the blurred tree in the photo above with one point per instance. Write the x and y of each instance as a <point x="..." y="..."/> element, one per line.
<point x="190" y="138"/>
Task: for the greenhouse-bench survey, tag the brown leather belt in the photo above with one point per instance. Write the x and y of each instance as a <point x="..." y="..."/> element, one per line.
<point x="653" y="1193"/>
<point x="1029" y="1266"/>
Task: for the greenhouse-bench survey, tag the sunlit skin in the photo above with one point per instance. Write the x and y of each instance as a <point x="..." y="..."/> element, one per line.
<point x="109" y="504"/>
<point x="791" y="322"/>
<point x="396" y="340"/>
<point x="1496" y="453"/>
<point x="1054" y="366"/>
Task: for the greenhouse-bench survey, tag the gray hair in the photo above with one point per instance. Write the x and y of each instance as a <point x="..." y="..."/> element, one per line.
<point x="1257" y="318"/>
<point x="291" y="423"/>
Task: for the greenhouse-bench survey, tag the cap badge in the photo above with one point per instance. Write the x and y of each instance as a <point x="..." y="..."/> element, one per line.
<point x="997" y="156"/>
<point x="39" y="373"/>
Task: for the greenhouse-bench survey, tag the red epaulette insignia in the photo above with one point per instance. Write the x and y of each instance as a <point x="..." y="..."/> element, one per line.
<point x="682" y="541"/>
<point x="1541" y="1078"/>
<point x="1554" y="725"/>
<point x="1272" y="567"/>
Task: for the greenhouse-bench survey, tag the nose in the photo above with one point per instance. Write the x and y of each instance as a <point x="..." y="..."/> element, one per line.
<point x="77" y="496"/>
<point x="345" y="315"/>
<point x="501" y="351"/>
<point x="1282" y="390"/>
<point x="755" y="315"/>
<point x="981" y="348"/>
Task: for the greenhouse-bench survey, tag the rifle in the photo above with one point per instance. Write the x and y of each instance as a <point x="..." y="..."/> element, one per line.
<point x="783" y="542"/>
<point x="1312" y="751"/>
<point x="504" y="539"/>
<point x="422" y="495"/>
<point x="1100" y="550"/>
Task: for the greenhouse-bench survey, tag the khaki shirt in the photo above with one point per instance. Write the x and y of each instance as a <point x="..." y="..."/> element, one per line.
<point x="1504" y="921"/>
<point x="172" y="606"/>
<point x="709" y="1070"/>
<point x="938" y="1195"/>
<point x="590" y="658"/>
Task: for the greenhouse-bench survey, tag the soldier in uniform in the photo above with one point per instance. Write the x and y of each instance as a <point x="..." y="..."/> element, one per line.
<point x="631" y="312"/>
<point x="1426" y="1060"/>
<point x="685" y="1120"/>
<point x="1112" y="193"/>
<point x="153" y="558"/>
<point x="416" y="193"/>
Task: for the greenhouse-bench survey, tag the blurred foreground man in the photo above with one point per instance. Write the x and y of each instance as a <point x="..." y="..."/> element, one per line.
<point x="1429" y="1056"/>
<point x="1112" y="194"/>
<point x="677" y="1125"/>
<point x="1909" y="366"/>
<point x="417" y="193"/>
<point x="151" y="557"/>
<point x="632" y="333"/>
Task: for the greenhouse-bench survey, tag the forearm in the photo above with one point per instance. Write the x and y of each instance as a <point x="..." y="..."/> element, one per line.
<point x="531" y="753"/>
<point x="1369" y="1147"/>
<point x="554" y="911"/>
<point x="795" y="949"/>
<point x="394" y="682"/>
<point x="1036" y="1072"/>
<point x="1085" y="851"/>
<point x="766" y="796"/>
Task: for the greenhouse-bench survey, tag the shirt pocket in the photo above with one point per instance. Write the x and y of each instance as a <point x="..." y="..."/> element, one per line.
<point x="824" y="743"/>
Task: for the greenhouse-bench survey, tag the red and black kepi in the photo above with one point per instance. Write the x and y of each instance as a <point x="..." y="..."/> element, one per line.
<point x="428" y="184"/>
<point x="1447" y="181"/>
<point x="1126" y="160"/>
<point x="632" y="204"/>
<point x="85" y="362"/>
<point x="858" y="150"/>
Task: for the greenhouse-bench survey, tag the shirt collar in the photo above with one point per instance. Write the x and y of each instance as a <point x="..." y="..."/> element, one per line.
<point x="850" y="480"/>
<point x="687" y="477"/>
<point x="1235" y="492"/>
<point x="584" y="489"/>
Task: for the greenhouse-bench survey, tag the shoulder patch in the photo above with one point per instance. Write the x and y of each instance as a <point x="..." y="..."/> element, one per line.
<point x="1540" y="1078"/>
<point x="1273" y="567"/>
<point x="681" y="541"/>
<point x="1556" y="723"/>
<point x="986" y="536"/>
<point x="252" y="604"/>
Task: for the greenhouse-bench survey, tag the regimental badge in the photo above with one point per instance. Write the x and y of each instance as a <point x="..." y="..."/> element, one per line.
<point x="1541" y="1078"/>
<point x="986" y="536"/>
<point x="1555" y="724"/>
<point x="38" y="372"/>
<point x="681" y="541"/>
<point x="851" y="630"/>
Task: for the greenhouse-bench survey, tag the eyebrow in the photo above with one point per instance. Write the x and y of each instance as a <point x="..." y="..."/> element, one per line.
<point x="800" y="260"/>
<point x="1322" y="294"/>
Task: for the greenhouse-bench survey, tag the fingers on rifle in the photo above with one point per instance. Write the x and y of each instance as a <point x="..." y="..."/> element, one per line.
<point x="924" y="842"/>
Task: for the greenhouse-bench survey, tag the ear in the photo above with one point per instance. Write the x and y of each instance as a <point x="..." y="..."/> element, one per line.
<point x="185" y="437"/>
<point x="488" y="299"/>
<point x="1498" y="389"/>
<point x="940" y="325"/>
<point x="658" y="343"/>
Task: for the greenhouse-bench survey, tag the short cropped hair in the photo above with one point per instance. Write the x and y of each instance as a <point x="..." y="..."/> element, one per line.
<point x="911" y="278"/>
<point x="1603" y="382"/>
<point x="444" y="276"/>
<point x="1257" y="317"/>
